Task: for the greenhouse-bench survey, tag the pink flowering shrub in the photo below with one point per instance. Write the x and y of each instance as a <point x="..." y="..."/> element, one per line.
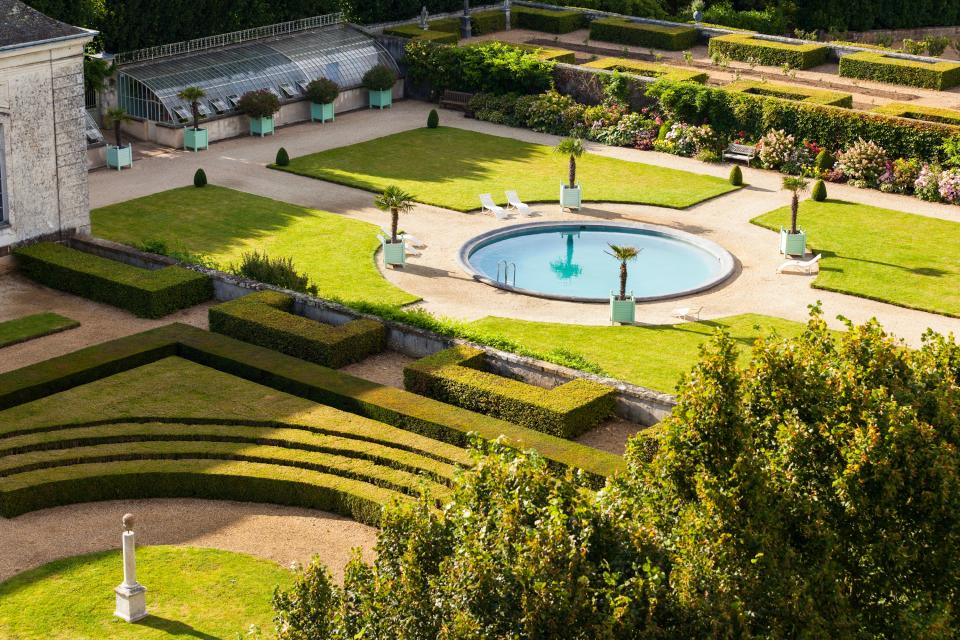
<point x="863" y="163"/>
<point x="949" y="186"/>
<point x="777" y="148"/>
<point x="927" y="185"/>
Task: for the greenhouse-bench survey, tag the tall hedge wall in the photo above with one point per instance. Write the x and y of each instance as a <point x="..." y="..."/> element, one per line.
<point x="747" y="48"/>
<point x="868" y="65"/>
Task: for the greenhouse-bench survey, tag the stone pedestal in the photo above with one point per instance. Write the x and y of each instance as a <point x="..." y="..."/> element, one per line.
<point x="131" y="595"/>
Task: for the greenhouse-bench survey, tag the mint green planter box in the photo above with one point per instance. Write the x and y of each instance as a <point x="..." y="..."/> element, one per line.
<point x="622" y="311"/>
<point x="321" y="112"/>
<point x="261" y="126"/>
<point x="119" y="157"/>
<point x="195" y="139"/>
<point x="394" y="253"/>
<point x="570" y="197"/>
<point x="381" y="99"/>
<point x="793" y="244"/>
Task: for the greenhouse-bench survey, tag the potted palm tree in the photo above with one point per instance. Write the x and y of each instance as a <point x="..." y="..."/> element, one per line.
<point x="194" y="137"/>
<point x="321" y="93"/>
<point x="379" y="81"/>
<point x="793" y="241"/>
<point x="570" y="194"/>
<point x="121" y="155"/>
<point x="623" y="307"/>
<point x="396" y="201"/>
<point x="260" y="106"/>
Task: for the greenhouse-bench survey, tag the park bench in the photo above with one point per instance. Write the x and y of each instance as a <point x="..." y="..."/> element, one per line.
<point x="457" y="100"/>
<point x="741" y="152"/>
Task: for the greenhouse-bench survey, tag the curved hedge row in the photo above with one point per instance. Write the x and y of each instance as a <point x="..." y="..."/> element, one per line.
<point x="748" y="48"/>
<point x="456" y="376"/>
<point x="880" y="67"/>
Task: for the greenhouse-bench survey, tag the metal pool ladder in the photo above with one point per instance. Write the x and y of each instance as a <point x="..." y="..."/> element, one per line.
<point x="504" y="267"/>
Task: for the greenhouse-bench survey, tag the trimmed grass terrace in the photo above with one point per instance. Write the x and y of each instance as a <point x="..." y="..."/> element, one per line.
<point x="33" y="326"/>
<point x="449" y="167"/>
<point x="222" y="224"/>
<point x="895" y="257"/>
<point x="193" y="593"/>
<point x="652" y="356"/>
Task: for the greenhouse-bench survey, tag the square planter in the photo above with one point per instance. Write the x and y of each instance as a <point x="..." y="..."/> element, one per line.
<point x="195" y="139"/>
<point x="394" y="253"/>
<point x="570" y="197"/>
<point x="261" y="126"/>
<point x="622" y="311"/>
<point x="321" y="112"/>
<point x="119" y="157"/>
<point x="381" y="99"/>
<point x="793" y="244"/>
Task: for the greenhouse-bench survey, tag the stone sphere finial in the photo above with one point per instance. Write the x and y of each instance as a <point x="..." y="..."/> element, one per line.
<point x="128" y="522"/>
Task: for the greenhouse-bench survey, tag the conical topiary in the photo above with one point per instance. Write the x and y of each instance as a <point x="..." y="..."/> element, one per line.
<point x="824" y="161"/>
<point x="200" y="178"/>
<point x="819" y="191"/>
<point x="282" y="158"/>
<point x="736" y="176"/>
<point x="433" y="120"/>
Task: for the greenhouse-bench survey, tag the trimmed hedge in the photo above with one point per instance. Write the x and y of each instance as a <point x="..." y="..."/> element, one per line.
<point x="748" y="48"/>
<point x="388" y="405"/>
<point x="414" y="32"/>
<point x="792" y="92"/>
<point x="550" y="54"/>
<point x="456" y="376"/>
<point x="265" y="318"/>
<point x="34" y="326"/>
<point x="623" y="31"/>
<point x="547" y="20"/>
<point x="648" y="69"/>
<point x="920" y="112"/>
<point x="143" y="292"/>
<point x="867" y="65"/>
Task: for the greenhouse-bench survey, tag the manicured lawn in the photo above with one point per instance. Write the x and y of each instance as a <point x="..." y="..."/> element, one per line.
<point x="33" y="326"/>
<point x="892" y="256"/>
<point x="191" y="593"/>
<point x="450" y="167"/>
<point x="651" y="356"/>
<point x="222" y="224"/>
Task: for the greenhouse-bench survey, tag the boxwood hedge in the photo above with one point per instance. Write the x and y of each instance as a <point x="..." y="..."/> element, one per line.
<point x="547" y="20"/>
<point x="624" y="31"/>
<point x="920" y="112"/>
<point x="648" y="69"/>
<point x="792" y="92"/>
<point x="868" y="65"/>
<point x="143" y="292"/>
<point x="748" y="48"/>
<point x="265" y="318"/>
<point x="456" y="376"/>
<point x="414" y="32"/>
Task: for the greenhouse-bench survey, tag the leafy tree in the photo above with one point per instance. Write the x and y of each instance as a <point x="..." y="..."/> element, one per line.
<point x="396" y="201"/>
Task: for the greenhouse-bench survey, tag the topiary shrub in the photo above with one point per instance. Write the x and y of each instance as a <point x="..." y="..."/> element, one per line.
<point x="433" y="120"/>
<point x="824" y="161"/>
<point x="736" y="176"/>
<point x="200" y="178"/>
<point x="379" y="78"/>
<point x="322" y="91"/>
<point x="819" y="191"/>
<point x="283" y="158"/>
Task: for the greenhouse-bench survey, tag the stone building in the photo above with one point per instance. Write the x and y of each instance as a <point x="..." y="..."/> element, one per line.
<point x="43" y="170"/>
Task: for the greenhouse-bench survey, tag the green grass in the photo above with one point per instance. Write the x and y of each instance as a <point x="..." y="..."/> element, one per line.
<point x="33" y="326"/>
<point x="222" y="224"/>
<point x="191" y="593"/>
<point x="896" y="257"/>
<point x="449" y="168"/>
<point x="650" y="356"/>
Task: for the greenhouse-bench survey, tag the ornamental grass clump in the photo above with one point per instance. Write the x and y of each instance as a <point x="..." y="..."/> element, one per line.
<point x="863" y="163"/>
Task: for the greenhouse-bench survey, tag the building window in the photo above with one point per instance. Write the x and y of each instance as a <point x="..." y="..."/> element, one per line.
<point x="4" y="211"/>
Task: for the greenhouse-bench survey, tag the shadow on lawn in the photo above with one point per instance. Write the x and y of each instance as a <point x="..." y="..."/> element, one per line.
<point x="927" y="272"/>
<point x="174" y="628"/>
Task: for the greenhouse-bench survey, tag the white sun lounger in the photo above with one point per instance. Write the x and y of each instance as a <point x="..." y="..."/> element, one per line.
<point x="514" y="201"/>
<point x="806" y="267"/>
<point x="489" y="205"/>
<point x="687" y="313"/>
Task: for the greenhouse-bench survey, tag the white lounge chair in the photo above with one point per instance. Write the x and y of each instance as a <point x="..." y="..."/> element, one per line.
<point x="413" y="241"/>
<point x="489" y="205"/>
<point x="514" y="201"/>
<point x="687" y="313"/>
<point x="805" y="267"/>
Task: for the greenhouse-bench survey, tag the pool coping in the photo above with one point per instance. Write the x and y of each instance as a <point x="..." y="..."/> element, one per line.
<point x="726" y="259"/>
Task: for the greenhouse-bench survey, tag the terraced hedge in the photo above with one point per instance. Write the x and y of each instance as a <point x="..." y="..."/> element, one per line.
<point x="920" y="112"/>
<point x="456" y="376"/>
<point x="265" y="318"/>
<point x="546" y="20"/>
<point x="648" y="69"/>
<point x="880" y="67"/>
<point x="624" y="31"/>
<point x="143" y="292"/>
<point x="792" y="92"/>
<point x="414" y="32"/>
<point x="747" y="48"/>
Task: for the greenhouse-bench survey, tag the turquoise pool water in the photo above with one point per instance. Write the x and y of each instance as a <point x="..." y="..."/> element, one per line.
<point x="570" y="261"/>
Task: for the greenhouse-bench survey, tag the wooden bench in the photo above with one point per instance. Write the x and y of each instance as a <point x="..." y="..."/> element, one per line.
<point x="741" y="152"/>
<point x="457" y="100"/>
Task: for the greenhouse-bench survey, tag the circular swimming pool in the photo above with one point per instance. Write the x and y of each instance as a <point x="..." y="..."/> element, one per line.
<point x="568" y="261"/>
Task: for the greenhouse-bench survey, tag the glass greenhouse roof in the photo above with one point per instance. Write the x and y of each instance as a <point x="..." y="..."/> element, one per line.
<point x="283" y="65"/>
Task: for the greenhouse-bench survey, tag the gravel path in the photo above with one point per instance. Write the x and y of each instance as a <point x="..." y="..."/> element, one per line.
<point x="281" y="534"/>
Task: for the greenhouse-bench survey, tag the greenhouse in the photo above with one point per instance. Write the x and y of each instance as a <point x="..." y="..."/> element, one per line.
<point x="282" y="64"/>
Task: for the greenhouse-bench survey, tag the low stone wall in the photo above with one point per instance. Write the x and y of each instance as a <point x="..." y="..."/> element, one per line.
<point x="634" y="403"/>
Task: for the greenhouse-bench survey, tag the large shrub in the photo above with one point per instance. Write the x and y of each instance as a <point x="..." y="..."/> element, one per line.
<point x="770" y="20"/>
<point x="379" y="78"/>
<point x="492" y="67"/>
<point x="322" y="91"/>
<point x="259" y="104"/>
<point x="777" y="148"/>
<point x="863" y="163"/>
